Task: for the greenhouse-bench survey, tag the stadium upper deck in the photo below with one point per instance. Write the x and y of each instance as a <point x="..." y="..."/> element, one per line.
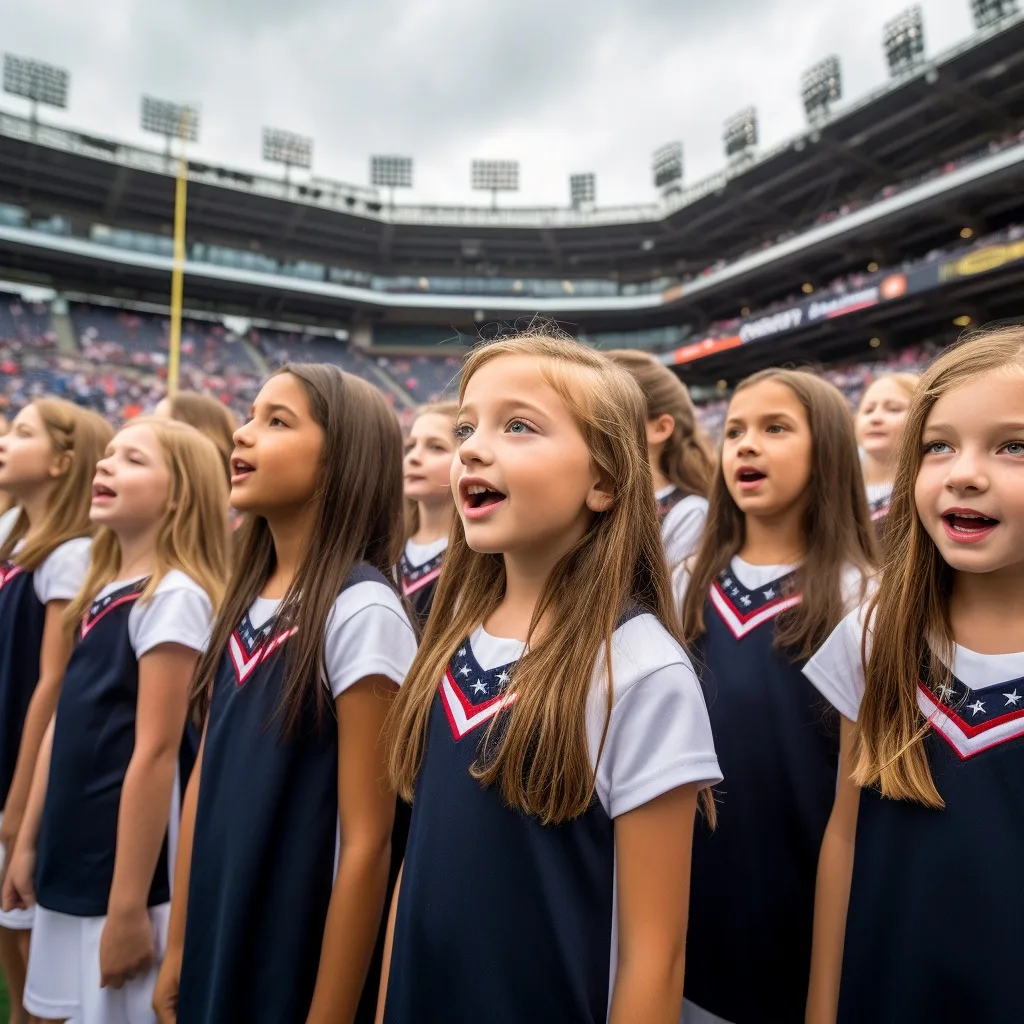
<point x="862" y="186"/>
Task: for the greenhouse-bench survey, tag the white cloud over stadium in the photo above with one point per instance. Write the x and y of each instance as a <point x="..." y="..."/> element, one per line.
<point x="562" y="86"/>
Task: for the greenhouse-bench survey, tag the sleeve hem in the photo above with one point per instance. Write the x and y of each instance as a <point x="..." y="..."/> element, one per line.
<point x="197" y="644"/>
<point x="372" y="666"/>
<point x="704" y="771"/>
<point x="832" y="694"/>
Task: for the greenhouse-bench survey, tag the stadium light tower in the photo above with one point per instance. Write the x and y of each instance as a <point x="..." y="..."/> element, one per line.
<point x="494" y="176"/>
<point x="582" y="190"/>
<point x="990" y="12"/>
<point x="820" y="87"/>
<point x="174" y="121"/>
<point x="281" y="147"/>
<point x="391" y="172"/>
<point x="903" y="41"/>
<point x="36" y="82"/>
<point x="740" y="133"/>
<point x="667" y="167"/>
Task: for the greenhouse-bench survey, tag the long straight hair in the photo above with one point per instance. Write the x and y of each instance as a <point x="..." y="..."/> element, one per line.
<point x="80" y="437"/>
<point x="687" y="460"/>
<point x="210" y="417"/>
<point x="357" y="517"/>
<point x="536" y="751"/>
<point x="836" y="523"/>
<point x="192" y="535"/>
<point x="412" y="508"/>
<point x="910" y="610"/>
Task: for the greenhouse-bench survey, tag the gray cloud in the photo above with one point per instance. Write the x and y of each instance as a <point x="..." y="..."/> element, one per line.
<point x="563" y="85"/>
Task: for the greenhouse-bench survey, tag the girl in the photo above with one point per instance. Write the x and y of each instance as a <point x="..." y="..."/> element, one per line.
<point x="879" y="425"/>
<point x="209" y="416"/>
<point x="429" y="505"/>
<point x="552" y="729"/>
<point x="283" y="859"/>
<point x="919" y="903"/>
<point x="102" y="800"/>
<point x="788" y="544"/>
<point x="682" y="463"/>
<point x="47" y="461"/>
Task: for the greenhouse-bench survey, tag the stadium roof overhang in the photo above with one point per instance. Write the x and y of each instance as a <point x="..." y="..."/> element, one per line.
<point x="950" y="107"/>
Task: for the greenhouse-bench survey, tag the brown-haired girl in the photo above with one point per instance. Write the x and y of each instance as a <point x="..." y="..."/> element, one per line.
<point x="787" y="546"/>
<point x="430" y="508"/>
<point x="919" y="905"/>
<point x="286" y="826"/>
<point x="879" y="425"/>
<point x="106" y="793"/>
<point x="47" y="461"/>
<point x="551" y="728"/>
<point x="682" y="463"/>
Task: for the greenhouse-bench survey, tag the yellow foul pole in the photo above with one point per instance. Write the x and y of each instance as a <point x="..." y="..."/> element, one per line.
<point x="178" y="271"/>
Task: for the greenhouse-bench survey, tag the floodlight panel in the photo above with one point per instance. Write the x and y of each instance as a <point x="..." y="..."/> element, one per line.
<point x="822" y="85"/>
<point x="36" y="81"/>
<point x="903" y="40"/>
<point x="991" y="12"/>
<point x="582" y="188"/>
<point x="170" y="119"/>
<point x="667" y="164"/>
<point x="283" y="147"/>
<point x="495" y="175"/>
<point x="391" y="171"/>
<point x="740" y="132"/>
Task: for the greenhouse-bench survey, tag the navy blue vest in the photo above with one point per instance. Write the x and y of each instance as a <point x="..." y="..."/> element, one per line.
<point x="22" y="619"/>
<point x="935" y="928"/>
<point x="263" y="856"/>
<point x="419" y="584"/>
<point x="669" y="502"/>
<point x="752" y="883"/>
<point x="500" y="919"/>
<point x="93" y="743"/>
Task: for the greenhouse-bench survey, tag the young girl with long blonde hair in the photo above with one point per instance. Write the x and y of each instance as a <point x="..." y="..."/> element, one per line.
<point x="682" y="463"/>
<point x="430" y="510"/>
<point x="47" y="461"/>
<point x="551" y="728"/>
<point x="787" y="547"/>
<point x="919" y="904"/>
<point x="283" y="860"/>
<point x="93" y="852"/>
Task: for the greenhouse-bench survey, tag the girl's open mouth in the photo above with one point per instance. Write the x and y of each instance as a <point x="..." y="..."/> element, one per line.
<point x="481" y="500"/>
<point x="748" y="479"/>
<point x="967" y="527"/>
<point x="240" y="469"/>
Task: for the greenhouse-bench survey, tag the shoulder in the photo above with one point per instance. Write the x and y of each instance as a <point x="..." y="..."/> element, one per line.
<point x="176" y="581"/>
<point x="61" y="574"/>
<point x="179" y="611"/>
<point x="837" y="667"/>
<point x="640" y="647"/>
<point x="856" y="587"/>
<point x="368" y="633"/>
<point x="685" y="508"/>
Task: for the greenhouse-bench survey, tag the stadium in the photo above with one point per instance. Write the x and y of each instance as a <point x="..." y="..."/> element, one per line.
<point x="878" y="234"/>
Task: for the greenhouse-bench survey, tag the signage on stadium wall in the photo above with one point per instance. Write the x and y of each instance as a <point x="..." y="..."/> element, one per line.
<point x="990" y="257"/>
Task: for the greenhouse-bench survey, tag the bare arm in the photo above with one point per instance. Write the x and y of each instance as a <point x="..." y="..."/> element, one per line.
<point x="389" y="938"/>
<point x="366" y="806"/>
<point x="653" y="847"/>
<point x="164" y="675"/>
<point x="165" y="994"/>
<point x="53" y="660"/>
<point x="18" y="888"/>
<point x="832" y="895"/>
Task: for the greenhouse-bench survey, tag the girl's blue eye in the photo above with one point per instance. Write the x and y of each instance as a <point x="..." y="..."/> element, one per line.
<point x="462" y="431"/>
<point x="518" y="423"/>
<point x="936" y="448"/>
<point x="1014" y="447"/>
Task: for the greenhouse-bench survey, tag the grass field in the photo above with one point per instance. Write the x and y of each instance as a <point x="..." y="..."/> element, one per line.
<point x="5" y="1006"/>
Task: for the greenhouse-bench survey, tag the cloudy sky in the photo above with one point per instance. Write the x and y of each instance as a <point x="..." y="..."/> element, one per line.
<point x="561" y="85"/>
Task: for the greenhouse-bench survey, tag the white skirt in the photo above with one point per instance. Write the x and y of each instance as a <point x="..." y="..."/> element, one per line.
<point x="16" y="920"/>
<point x="64" y="972"/>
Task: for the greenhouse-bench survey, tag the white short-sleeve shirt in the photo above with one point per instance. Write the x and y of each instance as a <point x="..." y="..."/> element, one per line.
<point x="179" y="612"/>
<point x="683" y="526"/>
<point x="368" y="634"/>
<point x="61" y="574"/>
<point x="418" y="554"/>
<point x="659" y="735"/>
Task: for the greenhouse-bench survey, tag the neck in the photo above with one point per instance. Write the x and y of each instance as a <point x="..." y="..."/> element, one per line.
<point x="34" y="505"/>
<point x="290" y="533"/>
<point x="659" y="478"/>
<point x="138" y="553"/>
<point x="877" y="470"/>
<point x="986" y="611"/>
<point x="435" y="521"/>
<point x="774" y="540"/>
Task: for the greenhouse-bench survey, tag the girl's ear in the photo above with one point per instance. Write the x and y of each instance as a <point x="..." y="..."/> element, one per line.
<point x="600" y="496"/>
<point x="60" y="464"/>
<point x="660" y="428"/>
